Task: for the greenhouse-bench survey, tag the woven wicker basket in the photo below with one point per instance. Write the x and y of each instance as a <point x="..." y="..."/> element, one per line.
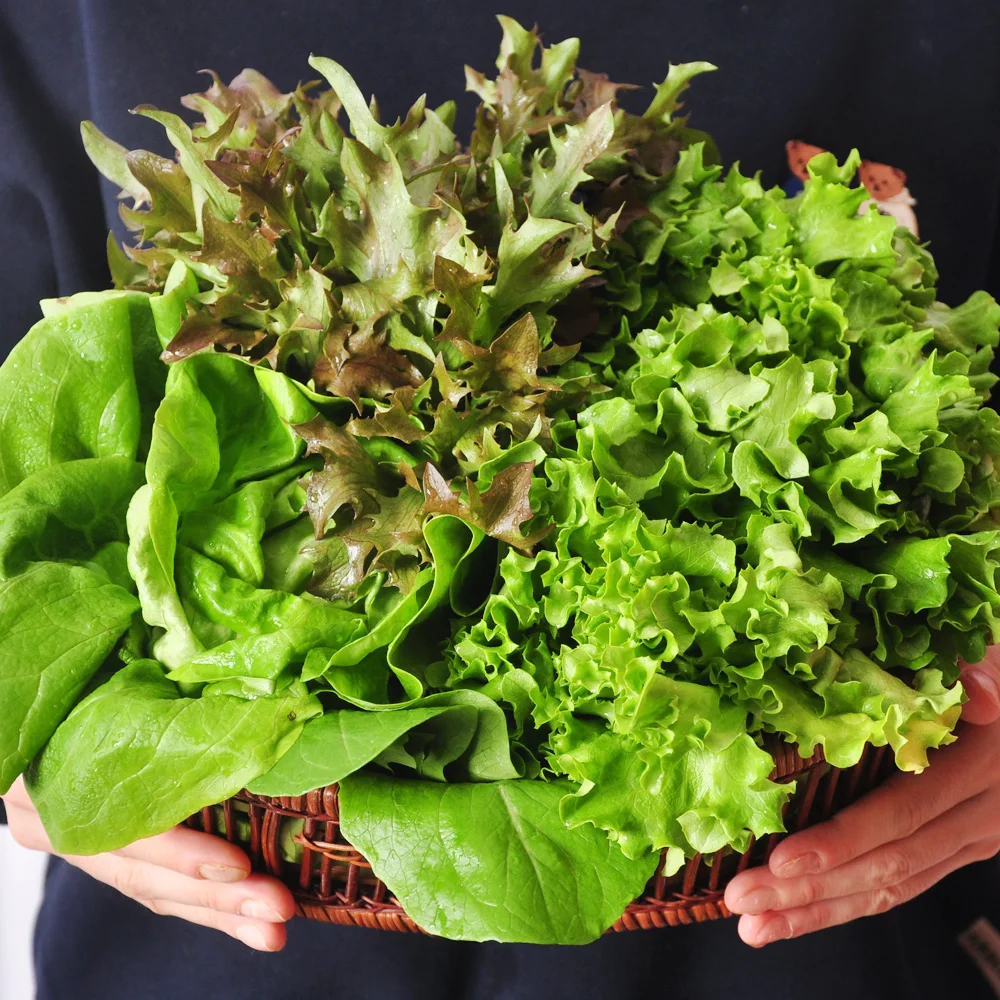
<point x="335" y="884"/>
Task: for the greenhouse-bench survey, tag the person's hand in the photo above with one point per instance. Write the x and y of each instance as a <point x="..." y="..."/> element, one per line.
<point x="895" y="842"/>
<point x="181" y="873"/>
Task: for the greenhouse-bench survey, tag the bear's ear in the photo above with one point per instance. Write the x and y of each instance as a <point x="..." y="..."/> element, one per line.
<point x="883" y="182"/>
<point x="799" y="154"/>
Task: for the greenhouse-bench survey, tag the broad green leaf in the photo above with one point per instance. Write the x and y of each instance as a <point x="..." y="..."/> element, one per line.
<point x="250" y="632"/>
<point x="66" y="512"/>
<point x="336" y="745"/>
<point x="199" y="453"/>
<point x="148" y="758"/>
<point x="230" y="531"/>
<point x="480" y="750"/>
<point x="71" y="389"/>
<point x="506" y="867"/>
<point x="58" y="623"/>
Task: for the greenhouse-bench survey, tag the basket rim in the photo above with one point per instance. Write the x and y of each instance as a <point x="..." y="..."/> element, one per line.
<point x="333" y="882"/>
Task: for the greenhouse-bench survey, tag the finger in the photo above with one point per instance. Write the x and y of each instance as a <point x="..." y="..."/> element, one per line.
<point x="894" y="810"/>
<point x="17" y="797"/>
<point x="259" y="896"/>
<point x="982" y="684"/>
<point x="192" y="853"/>
<point x="760" y="929"/>
<point x="27" y="830"/>
<point x="253" y="933"/>
<point x="199" y="855"/>
<point x="759" y="890"/>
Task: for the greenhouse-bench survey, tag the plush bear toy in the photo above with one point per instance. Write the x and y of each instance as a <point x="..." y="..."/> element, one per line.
<point x="885" y="184"/>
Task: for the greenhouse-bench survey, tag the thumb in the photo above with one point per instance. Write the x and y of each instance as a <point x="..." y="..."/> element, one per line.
<point x="982" y="684"/>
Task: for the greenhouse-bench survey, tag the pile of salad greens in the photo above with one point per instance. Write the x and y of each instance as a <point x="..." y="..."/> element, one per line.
<point x="519" y="487"/>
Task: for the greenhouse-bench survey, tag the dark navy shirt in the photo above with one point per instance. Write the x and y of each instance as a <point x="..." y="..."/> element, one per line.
<point x="912" y="83"/>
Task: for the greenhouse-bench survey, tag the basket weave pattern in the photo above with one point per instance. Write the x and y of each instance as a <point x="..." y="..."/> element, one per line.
<point x="335" y="884"/>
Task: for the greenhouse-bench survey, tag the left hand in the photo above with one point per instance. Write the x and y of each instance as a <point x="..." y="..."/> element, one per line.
<point x="895" y="842"/>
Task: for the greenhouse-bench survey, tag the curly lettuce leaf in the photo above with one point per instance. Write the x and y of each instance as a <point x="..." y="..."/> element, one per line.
<point x="706" y="789"/>
<point x="855" y="702"/>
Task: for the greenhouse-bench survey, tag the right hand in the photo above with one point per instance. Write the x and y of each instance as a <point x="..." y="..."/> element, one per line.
<point x="181" y="873"/>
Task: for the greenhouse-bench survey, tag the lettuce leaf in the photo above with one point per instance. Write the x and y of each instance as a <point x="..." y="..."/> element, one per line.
<point x="336" y="745"/>
<point x="503" y="871"/>
<point x="149" y="757"/>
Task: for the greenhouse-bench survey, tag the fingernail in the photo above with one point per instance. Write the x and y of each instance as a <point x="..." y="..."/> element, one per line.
<point x="805" y="864"/>
<point x="758" y="902"/>
<point x="222" y="873"/>
<point x="776" y="930"/>
<point x="252" y="937"/>
<point x="987" y="683"/>
<point x="260" y="911"/>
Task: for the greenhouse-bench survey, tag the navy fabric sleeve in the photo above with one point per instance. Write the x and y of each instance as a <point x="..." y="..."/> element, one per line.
<point x="53" y="227"/>
<point x="93" y="944"/>
<point x="51" y="221"/>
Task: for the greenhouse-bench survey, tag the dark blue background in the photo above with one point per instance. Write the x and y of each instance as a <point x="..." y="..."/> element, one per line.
<point x="914" y="83"/>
